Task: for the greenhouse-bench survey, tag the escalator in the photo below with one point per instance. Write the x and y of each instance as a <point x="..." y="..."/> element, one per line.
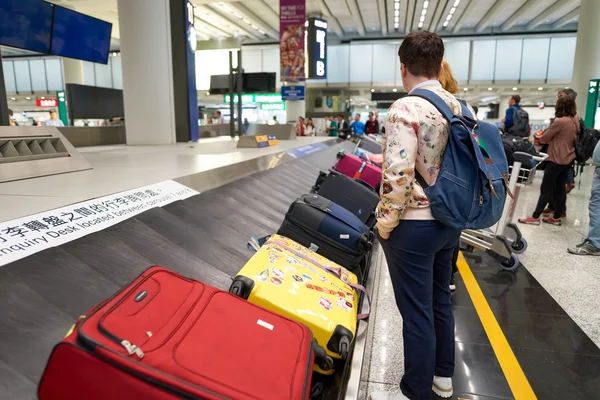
<point x="203" y="237"/>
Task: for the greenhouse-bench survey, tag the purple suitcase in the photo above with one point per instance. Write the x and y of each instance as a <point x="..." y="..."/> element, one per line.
<point x="357" y="168"/>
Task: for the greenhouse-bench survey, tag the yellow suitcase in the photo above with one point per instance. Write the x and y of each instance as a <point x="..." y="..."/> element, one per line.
<point x="298" y="283"/>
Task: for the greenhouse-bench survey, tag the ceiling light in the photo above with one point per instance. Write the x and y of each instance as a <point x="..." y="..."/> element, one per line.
<point x="446" y="23"/>
<point x="420" y="25"/>
<point x="255" y="27"/>
<point x="396" y="20"/>
<point x="515" y="88"/>
<point x="27" y="98"/>
<point x="422" y="19"/>
<point x="449" y="17"/>
<point x="367" y="107"/>
<point x="397" y="13"/>
<point x="43" y="98"/>
<point x="13" y="98"/>
<point x="490" y="89"/>
<point x="396" y="6"/>
<point x="246" y="20"/>
<point x="394" y="90"/>
<point x="262" y="32"/>
<point x="540" y="88"/>
<point x="456" y="3"/>
<point x="424" y="11"/>
<point x="466" y="89"/>
<point x="372" y="90"/>
<point x="208" y="93"/>
<point x="425" y="4"/>
<point x="396" y="26"/>
<point x="452" y="10"/>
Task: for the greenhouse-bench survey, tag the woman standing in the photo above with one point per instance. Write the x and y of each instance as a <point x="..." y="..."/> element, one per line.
<point x="300" y="128"/>
<point x="560" y="137"/>
<point x="310" y="127"/>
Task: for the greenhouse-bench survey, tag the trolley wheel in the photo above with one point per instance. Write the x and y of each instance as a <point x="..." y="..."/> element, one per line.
<point x="519" y="246"/>
<point x="317" y="390"/>
<point x="511" y="264"/>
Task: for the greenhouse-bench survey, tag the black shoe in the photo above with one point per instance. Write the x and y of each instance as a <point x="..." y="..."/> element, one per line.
<point x="452" y="284"/>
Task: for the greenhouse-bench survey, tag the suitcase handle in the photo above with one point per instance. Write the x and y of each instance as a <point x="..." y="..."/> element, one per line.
<point x="337" y="272"/>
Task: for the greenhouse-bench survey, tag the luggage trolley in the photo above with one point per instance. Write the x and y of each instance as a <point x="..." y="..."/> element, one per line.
<point x="504" y="240"/>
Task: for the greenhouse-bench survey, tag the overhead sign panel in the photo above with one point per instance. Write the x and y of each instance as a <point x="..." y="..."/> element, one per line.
<point x="292" y="15"/>
<point x="292" y="92"/>
<point x="316" y="45"/>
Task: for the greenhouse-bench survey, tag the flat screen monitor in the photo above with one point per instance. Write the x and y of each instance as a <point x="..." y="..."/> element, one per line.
<point x="26" y="24"/>
<point x="260" y="82"/>
<point x="80" y="36"/>
<point x="94" y="102"/>
<point x="219" y="84"/>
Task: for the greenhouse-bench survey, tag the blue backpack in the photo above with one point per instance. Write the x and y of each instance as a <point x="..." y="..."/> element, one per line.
<point x="472" y="184"/>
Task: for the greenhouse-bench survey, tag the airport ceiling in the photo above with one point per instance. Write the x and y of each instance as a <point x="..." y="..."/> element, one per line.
<point x="258" y="20"/>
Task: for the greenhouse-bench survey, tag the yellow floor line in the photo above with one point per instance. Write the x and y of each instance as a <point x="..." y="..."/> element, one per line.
<point x="519" y="385"/>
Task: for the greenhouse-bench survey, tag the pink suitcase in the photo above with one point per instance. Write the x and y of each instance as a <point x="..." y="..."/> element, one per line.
<point x="357" y="168"/>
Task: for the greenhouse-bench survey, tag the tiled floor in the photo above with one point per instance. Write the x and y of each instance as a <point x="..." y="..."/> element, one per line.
<point x="119" y="168"/>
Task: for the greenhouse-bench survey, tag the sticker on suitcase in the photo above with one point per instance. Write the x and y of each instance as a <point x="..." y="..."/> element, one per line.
<point x="325" y="303"/>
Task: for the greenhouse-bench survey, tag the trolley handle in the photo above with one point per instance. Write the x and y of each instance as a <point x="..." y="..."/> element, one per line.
<point x="541" y="157"/>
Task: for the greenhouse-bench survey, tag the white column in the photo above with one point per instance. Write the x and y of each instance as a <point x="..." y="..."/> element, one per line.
<point x="145" y="31"/>
<point x="295" y="109"/>
<point x="73" y="70"/>
<point x="587" y="52"/>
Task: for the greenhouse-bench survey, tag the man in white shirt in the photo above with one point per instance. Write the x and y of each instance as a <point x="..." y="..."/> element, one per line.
<point x="218" y="118"/>
<point x="53" y="121"/>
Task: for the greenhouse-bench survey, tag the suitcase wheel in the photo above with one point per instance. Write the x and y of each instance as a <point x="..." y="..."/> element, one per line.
<point x="315" y="189"/>
<point x="317" y="390"/>
<point x="340" y="155"/>
<point x="366" y="242"/>
<point x="242" y="287"/>
<point x="340" y="341"/>
<point x="324" y="361"/>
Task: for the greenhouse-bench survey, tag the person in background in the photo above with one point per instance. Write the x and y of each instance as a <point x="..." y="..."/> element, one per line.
<point x="516" y="121"/>
<point x="343" y="127"/>
<point x="379" y="121"/>
<point x="218" y="118"/>
<point x="560" y="137"/>
<point x="357" y="126"/>
<point x="310" y="128"/>
<point x="333" y="127"/>
<point x="11" y="119"/>
<point x="275" y="122"/>
<point x="372" y="126"/>
<point x="53" y="121"/>
<point x="591" y="245"/>
<point x="245" y="126"/>
<point x="418" y="248"/>
<point x="300" y="127"/>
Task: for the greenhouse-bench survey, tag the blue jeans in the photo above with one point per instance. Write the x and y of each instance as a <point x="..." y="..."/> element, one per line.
<point x="594" y="234"/>
<point x="420" y="256"/>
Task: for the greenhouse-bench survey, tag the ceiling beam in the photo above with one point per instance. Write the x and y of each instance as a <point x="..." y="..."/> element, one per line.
<point x="246" y="13"/>
<point x="517" y="15"/>
<point x="209" y="29"/>
<point x="548" y="13"/>
<point x="411" y="4"/>
<point x="461" y="20"/>
<point x="217" y="18"/>
<point x="331" y="20"/>
<point x="360" y="25"/>
<point x="381" y="4"/>
<point x="566" y="19"/>
<point x="489" y="16"/>
<point x="436" y="21"/>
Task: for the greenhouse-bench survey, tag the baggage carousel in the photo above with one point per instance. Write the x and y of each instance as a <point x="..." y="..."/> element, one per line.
<point x="203" y="237"/>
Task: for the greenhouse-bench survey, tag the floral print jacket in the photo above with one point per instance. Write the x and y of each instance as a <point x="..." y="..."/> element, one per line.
<point x="416" y="137"/>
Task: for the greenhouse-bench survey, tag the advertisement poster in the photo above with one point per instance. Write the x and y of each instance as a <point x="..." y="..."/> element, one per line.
<point x="292" y="16"/>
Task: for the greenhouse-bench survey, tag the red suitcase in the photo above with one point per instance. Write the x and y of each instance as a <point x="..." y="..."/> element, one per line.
<point x="357" y="168"/>
<point x="169" y="337"/>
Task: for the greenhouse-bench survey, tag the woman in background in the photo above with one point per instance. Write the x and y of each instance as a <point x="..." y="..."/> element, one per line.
<point x="300" y="128"/>
<point x="310" y="128"/>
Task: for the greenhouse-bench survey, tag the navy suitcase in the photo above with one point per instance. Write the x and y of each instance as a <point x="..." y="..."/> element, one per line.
<point x="354" y="195"/>
<point x="329" y="229"/>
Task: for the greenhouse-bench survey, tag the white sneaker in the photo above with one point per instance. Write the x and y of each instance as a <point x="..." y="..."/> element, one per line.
<point x="443" y="387"/>
<point x="393" y="394"/>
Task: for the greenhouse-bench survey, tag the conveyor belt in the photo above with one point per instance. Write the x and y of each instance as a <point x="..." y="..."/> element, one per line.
<point x="203" y="237"/>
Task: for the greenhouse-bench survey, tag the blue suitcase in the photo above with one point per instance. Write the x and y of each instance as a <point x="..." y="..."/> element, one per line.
<point x="329" y="229"/>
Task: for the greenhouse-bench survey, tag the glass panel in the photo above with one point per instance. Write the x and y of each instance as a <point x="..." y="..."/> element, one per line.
<point x="508" y="60"/>
<point x="562" y="58"/>
<point x="384" y="64"/>
<point x="9" y="76"/>
<point x="252" y="60"/>
<point x="54" y="73"/>
<point x="484" y="52"/>
<point x="360" y="63"/>
<point x="457" y="55"/>
<point x="338" y="62"/>
<point x="38" y="75"/>
<point x="535" y="59"/>
<point x="117" y="73"/>
<point x="23" y="75"/>
<point x="103" y="75"/>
